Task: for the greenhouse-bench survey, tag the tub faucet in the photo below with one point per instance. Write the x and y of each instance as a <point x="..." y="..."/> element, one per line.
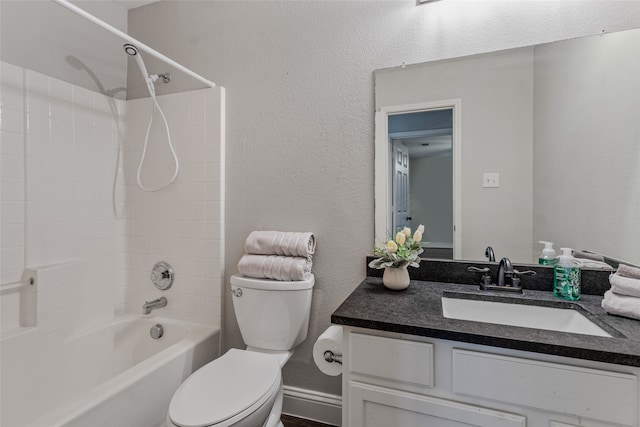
<point x="152" y="305"/>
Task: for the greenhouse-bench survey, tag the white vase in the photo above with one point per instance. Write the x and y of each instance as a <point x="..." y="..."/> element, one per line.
<point x="396" y="278"/>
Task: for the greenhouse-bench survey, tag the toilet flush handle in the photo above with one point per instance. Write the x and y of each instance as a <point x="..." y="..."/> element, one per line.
<point x="236" y="292"/>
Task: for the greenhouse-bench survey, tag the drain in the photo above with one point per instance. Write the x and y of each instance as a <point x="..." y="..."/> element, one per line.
<point x="156" y="331"/>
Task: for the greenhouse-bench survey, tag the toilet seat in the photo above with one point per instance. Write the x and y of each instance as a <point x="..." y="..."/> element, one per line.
<point x="239" y="382"/>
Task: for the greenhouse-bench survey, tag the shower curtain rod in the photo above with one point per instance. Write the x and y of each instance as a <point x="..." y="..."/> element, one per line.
<point x="126" y="37"/>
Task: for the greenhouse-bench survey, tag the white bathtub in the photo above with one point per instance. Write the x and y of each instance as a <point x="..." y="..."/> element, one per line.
<point x="110" y="375"/>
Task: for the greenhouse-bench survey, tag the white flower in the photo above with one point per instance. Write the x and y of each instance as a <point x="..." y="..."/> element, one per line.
<point x="406" y="231"/>
<point x="392" y="246"/>
<point x="417" y="236"/>
<point x="400" y="238"/>
<point x="421" y="229"/>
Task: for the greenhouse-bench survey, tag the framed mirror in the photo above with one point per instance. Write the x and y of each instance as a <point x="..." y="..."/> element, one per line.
<point x="546" y="146"/>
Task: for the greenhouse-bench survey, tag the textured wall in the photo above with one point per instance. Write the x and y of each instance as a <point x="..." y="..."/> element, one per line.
<point x="300" y="109"/>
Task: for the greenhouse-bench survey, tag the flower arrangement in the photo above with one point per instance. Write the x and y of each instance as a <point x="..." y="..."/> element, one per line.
<point x="401" y="252"/>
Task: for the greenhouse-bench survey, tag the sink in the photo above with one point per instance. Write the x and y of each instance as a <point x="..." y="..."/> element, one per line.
<point x="527" y="316"/>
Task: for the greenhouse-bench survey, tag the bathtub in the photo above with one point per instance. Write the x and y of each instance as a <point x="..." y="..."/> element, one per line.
<point x="112" y="374"/>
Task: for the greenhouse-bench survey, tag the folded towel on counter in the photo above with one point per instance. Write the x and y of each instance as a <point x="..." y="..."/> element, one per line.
<point x="621" y="305"/>
<point x="628" y="271"/>
<point x="625" y="285"/>
<point x="587" y="255"/>
<point x="275" y="267"/>
<point x="281" y="243"/>
<point x="598" y="265"/>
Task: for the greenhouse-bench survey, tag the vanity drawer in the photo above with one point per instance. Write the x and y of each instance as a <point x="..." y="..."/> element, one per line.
<point x="402" y="361"/>
<point x="547" y="386"/>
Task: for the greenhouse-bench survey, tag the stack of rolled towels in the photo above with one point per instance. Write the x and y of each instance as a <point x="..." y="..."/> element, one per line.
<point x="623" y="299"/>
<point x="278" y="255"/>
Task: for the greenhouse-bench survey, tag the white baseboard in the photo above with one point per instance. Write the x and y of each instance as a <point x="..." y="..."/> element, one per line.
<point x="312" y="405"/>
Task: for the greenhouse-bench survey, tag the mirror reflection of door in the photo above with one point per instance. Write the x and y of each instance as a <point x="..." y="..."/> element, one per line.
<point x="400" y="185"/>
<point x="422" y="191"/>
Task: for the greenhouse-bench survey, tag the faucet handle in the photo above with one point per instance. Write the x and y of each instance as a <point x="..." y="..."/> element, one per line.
<point x="524" y="273"/>
<point x="485" y="280"/>
<point x="515" y="280"/>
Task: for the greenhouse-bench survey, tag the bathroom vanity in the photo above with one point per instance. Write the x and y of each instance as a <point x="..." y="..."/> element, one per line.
<point x="405" y="364"/>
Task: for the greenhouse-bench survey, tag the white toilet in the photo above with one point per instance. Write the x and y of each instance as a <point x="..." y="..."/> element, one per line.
<point x="243" y="388"/>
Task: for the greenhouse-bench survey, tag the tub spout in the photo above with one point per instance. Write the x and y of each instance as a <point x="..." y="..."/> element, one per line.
<point x="148" y="306"/>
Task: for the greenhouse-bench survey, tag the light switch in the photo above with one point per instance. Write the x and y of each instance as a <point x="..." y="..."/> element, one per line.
<point x="491" y="180"/>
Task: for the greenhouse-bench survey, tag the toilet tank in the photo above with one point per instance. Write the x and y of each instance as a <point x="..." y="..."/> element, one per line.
<point x="272" y="314"/>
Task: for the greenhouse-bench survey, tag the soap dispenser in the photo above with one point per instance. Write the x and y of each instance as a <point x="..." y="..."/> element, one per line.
<point x="566" y="276"/>
<point x="548" y="256"/>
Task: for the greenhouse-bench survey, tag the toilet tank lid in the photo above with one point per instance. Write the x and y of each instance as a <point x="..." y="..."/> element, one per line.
<point x="273" y="285"/>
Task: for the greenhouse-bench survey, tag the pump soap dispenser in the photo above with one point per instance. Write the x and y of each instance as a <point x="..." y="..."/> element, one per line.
<point x="566" y="276"/>
<point x="548" y="256"/>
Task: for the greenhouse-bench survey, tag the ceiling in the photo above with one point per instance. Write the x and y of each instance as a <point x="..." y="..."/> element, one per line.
<point x="132" y="4"/>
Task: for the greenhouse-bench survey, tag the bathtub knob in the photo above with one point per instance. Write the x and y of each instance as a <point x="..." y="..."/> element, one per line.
<point x="162" y="275"/>
<point x="156" y="331"/>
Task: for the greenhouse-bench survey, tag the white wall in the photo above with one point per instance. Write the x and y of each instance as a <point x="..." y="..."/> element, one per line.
<point x="430" y="192"/>
<point x="587" y="173"/>
<point x="43" y="36"/>
<point x="300" y="108"/>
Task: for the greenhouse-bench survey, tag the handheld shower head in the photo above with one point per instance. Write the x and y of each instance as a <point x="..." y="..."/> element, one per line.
<point x="133" y="51"/>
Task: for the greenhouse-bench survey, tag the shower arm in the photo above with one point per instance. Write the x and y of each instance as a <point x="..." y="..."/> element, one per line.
<point x="126" y="37"/>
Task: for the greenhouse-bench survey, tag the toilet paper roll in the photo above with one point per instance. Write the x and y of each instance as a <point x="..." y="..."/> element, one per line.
<point x="330" y="340"/>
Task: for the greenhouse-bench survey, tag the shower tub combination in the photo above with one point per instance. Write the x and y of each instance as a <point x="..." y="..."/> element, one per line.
<point x="113" y="374"/>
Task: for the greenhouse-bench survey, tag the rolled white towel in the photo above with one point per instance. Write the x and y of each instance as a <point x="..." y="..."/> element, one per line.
<point x="621" y="305"/>
<point x="587" y="255"/>
<point x="275" y="267"/>
<point x="281" y="243"/>
<point x="598" y="265"/>
<point x="629" y="271"/>
<point x="624" y="285"/>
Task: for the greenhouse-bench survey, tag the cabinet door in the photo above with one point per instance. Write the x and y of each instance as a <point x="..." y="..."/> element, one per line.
<point x="373" y="406"/>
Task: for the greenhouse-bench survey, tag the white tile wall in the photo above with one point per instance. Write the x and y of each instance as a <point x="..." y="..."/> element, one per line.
<point x="182" y="224"/>
<point x="59" y="155"/>
<point x="12" y="178"/>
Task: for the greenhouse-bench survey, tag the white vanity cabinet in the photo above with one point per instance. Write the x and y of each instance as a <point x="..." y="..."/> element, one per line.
<point x="395" y="380"/>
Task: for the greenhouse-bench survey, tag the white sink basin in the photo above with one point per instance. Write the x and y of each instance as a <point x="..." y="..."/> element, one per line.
<point x="528" y="316"/>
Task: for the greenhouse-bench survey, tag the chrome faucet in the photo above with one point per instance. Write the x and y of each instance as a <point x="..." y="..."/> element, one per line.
<point x="504" y="269"/>
<point x="148" y="306"/>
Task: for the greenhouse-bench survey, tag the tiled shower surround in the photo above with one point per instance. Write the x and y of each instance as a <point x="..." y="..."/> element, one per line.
<point x="59" y="149"/>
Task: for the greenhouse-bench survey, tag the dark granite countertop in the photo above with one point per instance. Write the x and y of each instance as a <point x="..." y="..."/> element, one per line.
<point x="418" y="311"/>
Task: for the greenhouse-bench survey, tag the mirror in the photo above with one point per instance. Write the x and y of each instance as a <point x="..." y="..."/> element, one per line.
<point x="555" y="126"/>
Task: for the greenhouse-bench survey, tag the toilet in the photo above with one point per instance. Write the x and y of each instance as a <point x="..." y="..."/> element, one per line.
<point x="243" y="388"/>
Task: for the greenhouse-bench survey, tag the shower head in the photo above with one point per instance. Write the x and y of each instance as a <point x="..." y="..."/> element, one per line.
<point x="130" y="49"/>
<point x="133" y="51"/>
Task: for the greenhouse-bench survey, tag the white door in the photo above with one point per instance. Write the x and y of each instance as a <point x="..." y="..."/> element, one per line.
<point x="400" y="186"/>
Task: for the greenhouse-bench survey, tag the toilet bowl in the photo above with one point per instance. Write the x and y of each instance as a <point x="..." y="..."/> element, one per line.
<point x="237" y="389"/>
<point x="243" y="388"/>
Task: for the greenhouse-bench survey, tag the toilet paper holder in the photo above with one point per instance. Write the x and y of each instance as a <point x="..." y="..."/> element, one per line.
<point x="330" y="357"/>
